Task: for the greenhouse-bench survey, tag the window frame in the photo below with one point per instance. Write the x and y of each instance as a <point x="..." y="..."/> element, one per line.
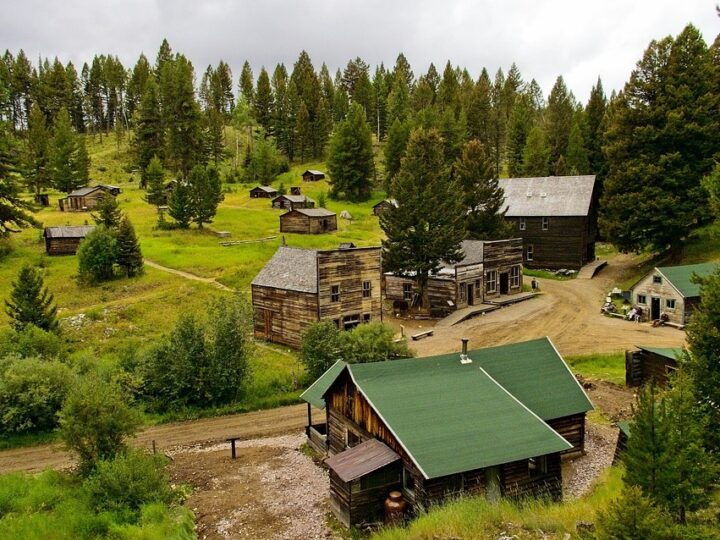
<point x="530" y="252"/>
<point x="478" y="289"/>
<point x="366" y="289"/>
<point x="668" y="304"/>
<point x="657" y="280"/>
<point x="515" y="276"/>
<point x="545" y="223"/>
<point x="463" y="292"/>
<point x="491" y="280"/>
<point x="408" y="487"/>
<point x="335" y="293"/>
<point x="366" y="318"/>
<point x="407" y="291"/>
<point x="522" y="223"/>
<point x="642" y="299"/>
<point x="537" y="466"/>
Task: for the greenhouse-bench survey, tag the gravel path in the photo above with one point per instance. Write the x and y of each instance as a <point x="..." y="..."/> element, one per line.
<point x="580" y="473"/>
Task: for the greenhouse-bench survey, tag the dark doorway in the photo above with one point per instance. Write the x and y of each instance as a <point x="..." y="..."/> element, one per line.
<point x="655" y="308"/>
<point x="470" y="294"/>
<point x="504" y="283"/>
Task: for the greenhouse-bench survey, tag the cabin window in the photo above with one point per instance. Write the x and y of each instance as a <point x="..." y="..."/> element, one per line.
<point x="670" y="303"/>
<point x="491" y="281"/>
<point x="529" y="252"/>
<point x="537" y="466"/>
<point x="351" y="439"/>
<point x="515" y="276"/>
<point x="351" y="321"/>
<point x="523" y="224"/>
<point x="408" y="482"/>
<point x="367" y="287"/>
<point x="383" y="477"/>
<point x="545" y="223"/>
<point x="349" y="405"/>
<point x="335" y="293"/>
<point x="657" y="279"/>
<point x="455" y="483"/>
<point x="366" y="317"/>
<point x="407" y="291"/>
<point x="463" y="292"/>
<point x="478" y="293"/>
<point x="641" y="299"/>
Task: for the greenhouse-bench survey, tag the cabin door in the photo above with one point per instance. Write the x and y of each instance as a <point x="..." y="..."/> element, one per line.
<point x="470" y="294"/>
<point x="655" y="308"/>
<point x="504" y="283"/>
<point x="268" y="316"/>
<point x="492" y="480"/>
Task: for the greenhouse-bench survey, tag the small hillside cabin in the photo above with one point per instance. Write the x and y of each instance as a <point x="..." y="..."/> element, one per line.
<point x="64" y="240"/>
<point x="650" y="364"/>
<point x="477" y="422"/>
<point x="669" y="293"/>
<point x="622" y="440"/>
<point x="298" y="287"/>
<point x="308" y="221"/>
<point x="86" y="198"/>
<point x="263" y="192"/>
<point x="292" y="202"/>
<point x="295" y="190"/>
<point x="488" y="270"/>
<point x="384" y="205"/>
<point x="556" y="216"/>
<point x="312" y="175"/>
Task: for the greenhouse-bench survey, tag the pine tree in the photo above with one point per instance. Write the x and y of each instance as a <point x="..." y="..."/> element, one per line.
<point x="129" y="256"/>
<point x="498" y="121"/>
<point x="62" y="155"/>
<point x="215" y="134"/>
<point x="155" y="176"/>
<point x="35" y="160"/>
<point x="427" y="226"/>
<point x="398" y="101"/>
<point x="107" y="212"/>
<point x="448" y="92"/>
<point x="247" y="84"/>
<point x="81" y="161"/>
<point x="595" y="114"/>
<point x="205" y="193"/>
<point x="148" y="138"/>
<point x="558" y="121"/>
<point x="180" y="204"/>
<point x="520" y="124"/>
<point x="577" y="161"/>
<point x="264" y="101"/>
<point x="535" y="154"/>
<point x="394" y="150"/>
<point x="303" y="132"/>
<point x="350" y="157"/>
<point x="141" y="73"/>
<point x="13" y="215"/>
<point x="479" y="110"/>
<point x="31" y="303"/>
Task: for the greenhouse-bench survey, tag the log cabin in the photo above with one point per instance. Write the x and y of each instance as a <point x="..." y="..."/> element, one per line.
<point x="308" y="221"/>
<point x="556" y="216"/>
<point x="478" y="422"/>
<point x="312" y="175"/>
<point x="64" y="240"/>
<point x="384" y="206"/>
<point x="263" y="192"/>
<point x="292" y="202"/>
<point x="622" y="440"/>
<point x="669" y="292"/>
<point x="298" y="287"/>
<point x="488" y="270"/>
<point x="86" y="198"/>
<point x="650" y="364"/>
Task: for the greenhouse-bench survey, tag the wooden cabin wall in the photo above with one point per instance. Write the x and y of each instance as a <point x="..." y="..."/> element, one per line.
<point x="355" y="503"/>
<point x="471" y="274"/>
<point x="564" y="245"/>
<point x="502" y="256"/>
<point x="572" y="429"/>
<point x="439" y="291"/>
<point x="294" y="223"/>
<point x="517" y="481"/>
<point x="281" y="315"/>
<point x="348" y="269"/>
<point x="62" y="246"/>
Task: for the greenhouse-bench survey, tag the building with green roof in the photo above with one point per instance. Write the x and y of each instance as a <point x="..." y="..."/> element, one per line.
<point x="671" y="293"/>
<point x="475" y="421"/>
<point x="651" y="364"/>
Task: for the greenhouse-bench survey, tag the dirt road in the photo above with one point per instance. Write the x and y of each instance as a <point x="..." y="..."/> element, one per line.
<point x="188" y="275"/>
<point x="207" y="430"/>
<point x="567" y="311"/>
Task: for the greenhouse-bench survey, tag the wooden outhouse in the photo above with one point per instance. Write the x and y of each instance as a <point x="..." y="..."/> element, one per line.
<point x="295" y="190"/>
<point x="86" y="198"/>
<point x="292" y="202"/>
<point x="650" y="364"/>
<point x="298" y="287"/>
<point x="312" y="175"/>
<point x="489" y="269"/>
<point x="64" y="240"/>
<point x="384" y="206"/>
<point x="308" y="221"/>
<point x="556" y="216"/>
<point x="669" y="292"/>
<point x="477" y="422"/>
<point x="263" y="192"/>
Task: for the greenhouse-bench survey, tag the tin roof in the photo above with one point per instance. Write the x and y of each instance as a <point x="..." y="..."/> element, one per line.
<point x="548" y="195"/>
<point x="68" y="232"/>
<point x="313" y="212"/>
<point x="680" y="277"/>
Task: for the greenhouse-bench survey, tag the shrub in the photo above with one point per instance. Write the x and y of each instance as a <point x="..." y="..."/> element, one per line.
<point x="631" y="516"/>
<point x="30" y="302"/>
<point x="31" y="393"/>
<point x="320" y="348"/>
<point x="32" y="342"/>
<point x="97" y="255"/>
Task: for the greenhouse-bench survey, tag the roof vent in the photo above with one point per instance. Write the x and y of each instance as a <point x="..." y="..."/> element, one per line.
<point x="528" y="194"/>
<point x="464" y="358"/>
<point x="543" y="195"/>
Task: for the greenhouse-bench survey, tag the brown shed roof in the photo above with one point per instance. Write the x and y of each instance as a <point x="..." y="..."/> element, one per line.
<point x="362" y="459"/>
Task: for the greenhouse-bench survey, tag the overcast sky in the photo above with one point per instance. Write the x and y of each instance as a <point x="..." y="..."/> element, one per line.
<point x="579" y="39"/>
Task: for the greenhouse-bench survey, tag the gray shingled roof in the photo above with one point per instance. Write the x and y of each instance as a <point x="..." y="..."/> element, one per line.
<point x="548" y="196"/>
<point x="81" y="192"/>
<point x="313" y="171"/>
<point x="266" y="189"/>
<point x="68" y="232"/>
<point x="314" y="212"/>
<point x="294" y="198"/>
<point x="290" y="268"/>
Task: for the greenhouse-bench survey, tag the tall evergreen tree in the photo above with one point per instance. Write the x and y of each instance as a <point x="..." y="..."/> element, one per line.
<point x="303" y="133"/>
<point x="107" y="213"/>
<point x="535" y="153"/>
<point x="215" y="134"/>
<point x="498" y="121"/>
<point x="205" y="191"/>
<point x="137" y="82"/>
<point x="558" y="121"/>
<point x="521" y="122"/>
<point x="427" y="226"/>
<point x="13" y="209"/>
<point x="155" y="176"/>
<point x="394" y="150"/>
<point x="479" y="110"/>
<point x="350" y="157"/>
<point x="247" y="84"/>
<point x="35" y="159"/>
<point x="595" y="114"/>
<point x="180" y="204"/>
<point x="62" y="156"/>
<point x="129" y="255"/>
<point x="577" y="161"/>
<point x="31" y="303"/>
<point x="148" y="138"/>
<point x="264" y="101"/>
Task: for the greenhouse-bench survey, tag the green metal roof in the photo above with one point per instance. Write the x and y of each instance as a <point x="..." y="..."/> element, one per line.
<point x="680" y="276"/>
<point x="451" y="417"/>
<point x="624" y="427"/>
<point x="314" y="394"/>
<point x="666" y="352"/>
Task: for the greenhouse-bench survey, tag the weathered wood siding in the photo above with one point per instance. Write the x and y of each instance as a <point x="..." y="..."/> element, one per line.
<point x="295" y="222"/>
<point x="440" y="291"/>
<point x="356" y="502"/>
<point x="348" y="269"/>
<point x="572" y="429"/>
<point x="381" y="207"/>
<point x="89" y="201"/>
<point x="644" y="366"/>
<point x="281" y="315"/>
<point x="502" y="256"/>
<point x="284" y="203"/>
<point x="469" y="282"/>
<point x="62" y="246"/>
<point x="568" y="242"/>
<point x="518" y="482"/>
<point x="664" y="291"/>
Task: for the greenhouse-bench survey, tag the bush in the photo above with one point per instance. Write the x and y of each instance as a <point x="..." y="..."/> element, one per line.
<point x="320" y="348"/>
<point x="633" y="516"/>
<point x="32" y="342"/>
<point x="31" y="393"/>
<point x="97" y="254"/>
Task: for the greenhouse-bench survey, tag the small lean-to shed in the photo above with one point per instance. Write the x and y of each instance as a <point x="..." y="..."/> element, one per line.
<point x="650" y="364"/>
<point x="670" y="291"/>
<point x="65" y="240"/>
<point x="313" y="175"/>
<point x="292" y="202"/>
<point x="263" y="192"/>
<point x="622" y="440"/>
<point x="308" y="221"/>
<point x="384" y="206"/>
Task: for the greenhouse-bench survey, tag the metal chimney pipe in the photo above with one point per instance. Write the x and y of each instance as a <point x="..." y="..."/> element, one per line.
<point x="464" y="345"/>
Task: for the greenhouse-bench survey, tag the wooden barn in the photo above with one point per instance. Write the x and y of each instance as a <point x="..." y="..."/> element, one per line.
<point x="556" y="216"/>
<point x="292" y="202"/>
<point x="86" y="198"/>
<point x="308" y="221"/>
<point x="384" y="206"/>
<point x="650" y="364"/>
<point x="313" y="176"/>
<point x="263" y="192"/>
<point x="478" y="422"/>
<point x="670" y="293"/>
<point x="298" y="287"/>
<point x="489" y="269"/>
<point x="64" y="240"/>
